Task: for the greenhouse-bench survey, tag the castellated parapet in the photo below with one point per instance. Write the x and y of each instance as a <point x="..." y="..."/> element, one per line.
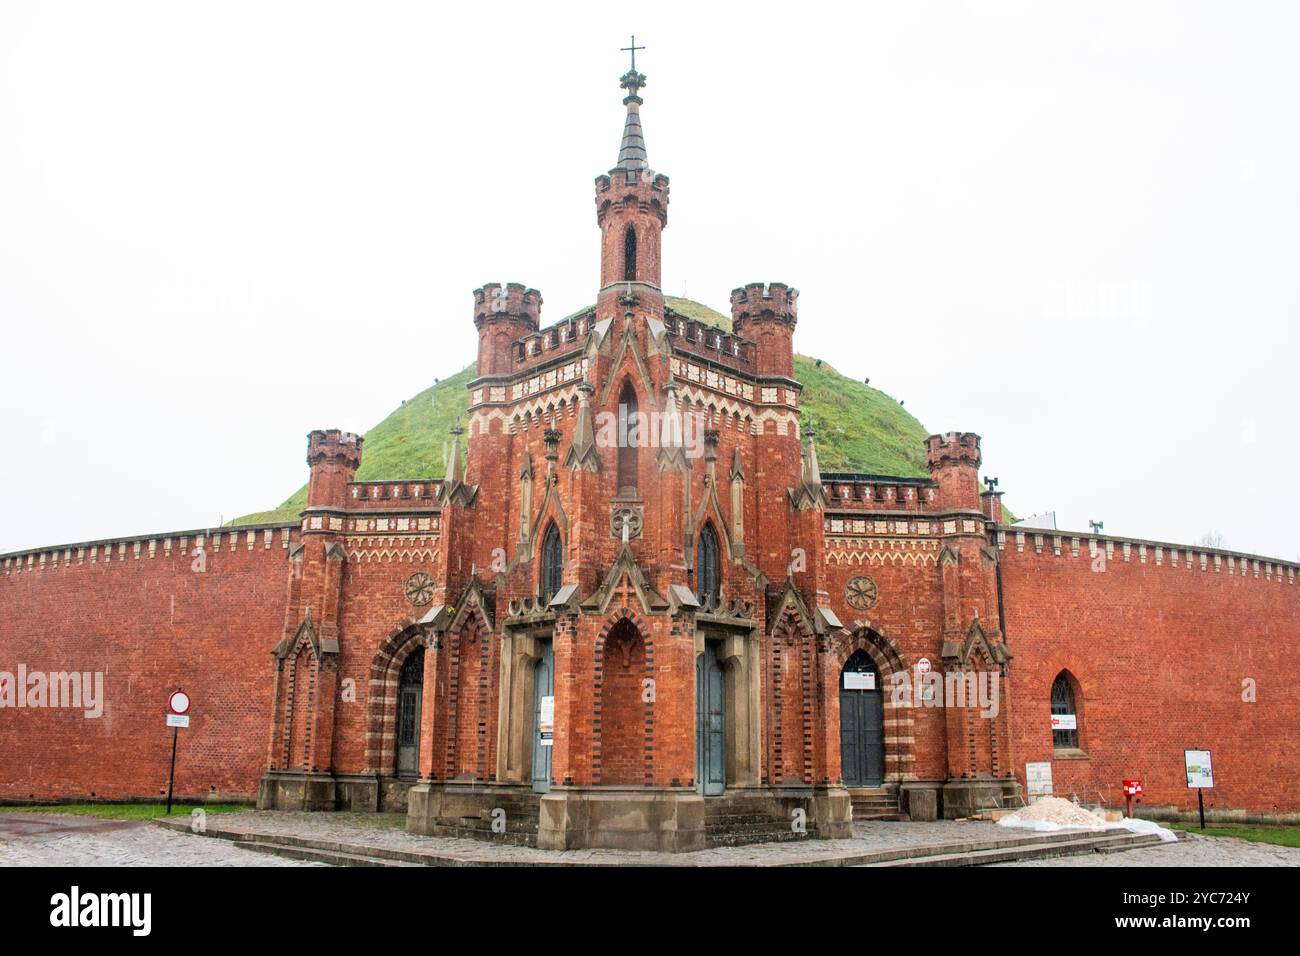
<point x="954" y="460"/>
<point x="334" y="457"/>
<point x="625" y="190"/>
<point x="503" y="314"/>
<point x="493" y="302"/>
<point x="767" y="313"/>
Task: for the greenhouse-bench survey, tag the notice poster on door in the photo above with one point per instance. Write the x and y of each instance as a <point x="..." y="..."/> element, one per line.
<point x="855" y="680"/>
<point x="1038" y="779"/>
<point x="1200" y="775"/>
<point x="546" y="721"/>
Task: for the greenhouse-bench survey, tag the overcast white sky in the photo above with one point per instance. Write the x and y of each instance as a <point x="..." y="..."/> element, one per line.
<point x="1072" y="228"/>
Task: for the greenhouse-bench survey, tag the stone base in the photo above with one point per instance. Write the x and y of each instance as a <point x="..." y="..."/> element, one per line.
<point x="920" y="801"/>
<point x="582" y="818"/>
<point x="300" y="790"/>
<point x="296" y="790"/>
<point x="964" y="798"/>
<point x="500" y="813"/>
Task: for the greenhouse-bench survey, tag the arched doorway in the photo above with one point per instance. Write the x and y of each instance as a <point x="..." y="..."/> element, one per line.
<point x="710" y="722"/>
<point x="862" y="722"/>
<point x="543" y="718"/>
<point x="409" y="696"/>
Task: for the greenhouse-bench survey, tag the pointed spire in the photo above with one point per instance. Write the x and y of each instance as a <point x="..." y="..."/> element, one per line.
<point x="582" y="453"/>
<point x="812" y="473"/>
<point x="454" y="474"/>
<point x="631" y="152"/>
<point x="737" y="469"/>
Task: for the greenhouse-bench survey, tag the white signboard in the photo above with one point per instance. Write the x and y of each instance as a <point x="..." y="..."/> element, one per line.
<point x="179" y="702"/>
<point x="546" y="721"/>
<point x="1038" y="779"/>
<point x="923" y="665"/>
<point x="178" y="720"/>
<point x="1199" y="773"/>
<point x="1064" y="722"/>
<point x="854" y="680"/>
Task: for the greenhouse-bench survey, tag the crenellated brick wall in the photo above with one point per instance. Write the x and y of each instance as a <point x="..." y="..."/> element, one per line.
<point x="152" y="615"/>
<point x="1164" y="643"/>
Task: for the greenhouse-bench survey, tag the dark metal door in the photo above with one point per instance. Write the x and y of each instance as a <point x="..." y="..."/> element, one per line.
<point x="862" y="724"/>
<point x="710" y="723"/>
<point x="543" y="690"/>
<point x="409" y="697"/>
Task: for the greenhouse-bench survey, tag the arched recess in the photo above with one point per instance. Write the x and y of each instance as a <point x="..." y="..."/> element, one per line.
<point x="1066" y="700"/>
<point x="471" y="744"/>
<point x="900" y="750"/>
<point x="790" y="692"/>
<point x="301" y="700"/>
<point x="629" y="254"/>
<point x="629" y="440"/>
<point x="551" y="568"/>
<point x="622" y="757"/>
<point x="708" y="564"/>
<point x="384" y="697"/>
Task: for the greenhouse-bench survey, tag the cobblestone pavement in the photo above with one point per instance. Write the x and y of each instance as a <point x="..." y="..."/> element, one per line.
<point x="50" y="839"/>
<point x="1192" y="850"/>
<point x="54" y="840"/>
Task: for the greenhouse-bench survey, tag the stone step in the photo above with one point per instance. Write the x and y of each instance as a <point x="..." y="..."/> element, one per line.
<point x="1081" y="845"/>
<point x="882" y="816"/>
<point x="332" y="857"/>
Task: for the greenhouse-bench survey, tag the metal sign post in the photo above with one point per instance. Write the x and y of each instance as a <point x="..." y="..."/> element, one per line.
<point x="171" y="774"/>
<point x="1200" y="775"/>
<point x="178" y="707"/>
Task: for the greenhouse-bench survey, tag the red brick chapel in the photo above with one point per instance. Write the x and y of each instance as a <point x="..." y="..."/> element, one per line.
<point x="636" y="613"/>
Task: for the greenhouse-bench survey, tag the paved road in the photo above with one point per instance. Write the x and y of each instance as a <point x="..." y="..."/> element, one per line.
<point x="33" y="839"/>
<point x="49" y="839"/>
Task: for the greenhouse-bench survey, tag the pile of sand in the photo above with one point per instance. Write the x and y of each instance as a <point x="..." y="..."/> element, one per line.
<point x="1061" y="812"/>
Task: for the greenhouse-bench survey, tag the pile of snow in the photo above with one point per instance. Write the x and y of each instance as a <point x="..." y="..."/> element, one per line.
<point x="1052" y="814"/>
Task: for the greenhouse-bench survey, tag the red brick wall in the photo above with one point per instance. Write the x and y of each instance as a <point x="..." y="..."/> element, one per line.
<point x="150" y="624"/>
<point x="622" y="714"/>
<point x="1160" y="652"/>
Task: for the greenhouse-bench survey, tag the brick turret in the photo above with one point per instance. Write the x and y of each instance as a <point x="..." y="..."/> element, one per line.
<point x="632" y="211"/>
<point x="334" y="457"/>
<point x="767" y="314"/>
<point x="503" y="314"/>
<point x="954" y="461"/>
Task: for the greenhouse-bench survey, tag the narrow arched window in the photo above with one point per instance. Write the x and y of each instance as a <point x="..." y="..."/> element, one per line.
<point x="708" y="572"/>
<point x="552" y="562"/>
<point x="1065" y="718"/>
<point x="629" y="438"/>
<point x="629" y="254"/>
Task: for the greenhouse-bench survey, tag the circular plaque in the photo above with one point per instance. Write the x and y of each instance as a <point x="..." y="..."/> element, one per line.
<point x="861" y="593"/>
<point x="419" y="589"/>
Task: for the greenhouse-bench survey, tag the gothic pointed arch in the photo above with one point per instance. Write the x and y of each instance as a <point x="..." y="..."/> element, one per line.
<point x="630" y="438"/>
<point x="1066" y="700"/>
<point x="628" y="351"/>
<point x="552" y="563"/>
<point x="382" y="694"/>
<point x="708" y="565"/>
<point x="629" y="253"/>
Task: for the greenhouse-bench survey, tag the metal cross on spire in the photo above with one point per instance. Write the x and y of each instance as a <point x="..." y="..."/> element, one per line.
<point x="632" y="49"/>
<point x="632" y="81"/>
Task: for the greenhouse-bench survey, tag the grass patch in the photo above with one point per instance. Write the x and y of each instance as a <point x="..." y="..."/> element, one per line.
<point x="124" y="811"/>
<point x="1278" y="836"/>
<point x="859" y="428"/>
